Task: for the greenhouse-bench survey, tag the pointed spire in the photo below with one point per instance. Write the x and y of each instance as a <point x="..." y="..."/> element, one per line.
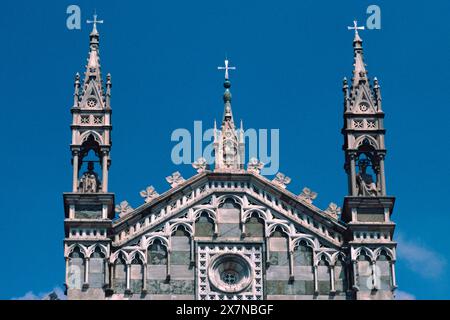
<point x="359" y="72"/>
<point x="228" y="142"/>
<point x="228" y="114"/>
<point x="93" y="66"/>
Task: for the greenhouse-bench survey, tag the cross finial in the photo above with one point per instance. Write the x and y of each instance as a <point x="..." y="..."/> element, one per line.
<point x="355" y="27"/>
<point x="94" y="22"/>
<point x="226" y="68"/>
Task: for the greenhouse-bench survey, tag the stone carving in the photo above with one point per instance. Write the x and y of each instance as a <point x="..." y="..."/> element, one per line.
<point x="307" y="195"/>
<point x="333" y="210"/>
<point x="89" y="181"/>
<point x="201" y="165"/>
<point x="255" y="166"/>
<point x="281" y="180"/>
<point x="149" y="194"/>
<point x="123" y="208"/>
<point x="175" y="179"/>
<point x="364" y="181"/>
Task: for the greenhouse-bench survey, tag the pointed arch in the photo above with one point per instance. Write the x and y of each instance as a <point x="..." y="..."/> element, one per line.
<point x="95" y="135"/>
<point x="270" y="229"/>
<point x="360" y="141"/>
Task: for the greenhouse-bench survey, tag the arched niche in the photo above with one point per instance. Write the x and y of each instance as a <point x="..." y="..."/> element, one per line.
<point x="97" y="268"/>
<point x="255" y="226"/>
<point x="204" y="225"/>
<point x="76" y="269"/>
<point x="120" y="274"/>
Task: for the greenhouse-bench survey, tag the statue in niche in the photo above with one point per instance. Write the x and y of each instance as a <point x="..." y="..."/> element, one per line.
<point x="364" y="181"/>
<point x="89" y="182"/>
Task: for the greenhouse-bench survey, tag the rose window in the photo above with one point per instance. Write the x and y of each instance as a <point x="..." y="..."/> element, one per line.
<point x="230" y="273"/>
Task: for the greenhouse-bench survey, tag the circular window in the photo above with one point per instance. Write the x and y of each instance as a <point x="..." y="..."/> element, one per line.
<point x="91" y="102"/>
<point x="363" y="107"/>
<point x="230" y="273"/>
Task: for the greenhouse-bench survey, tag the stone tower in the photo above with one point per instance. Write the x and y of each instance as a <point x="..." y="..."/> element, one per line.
<point x="89" y="207"/>
<point x="367" y="208"/>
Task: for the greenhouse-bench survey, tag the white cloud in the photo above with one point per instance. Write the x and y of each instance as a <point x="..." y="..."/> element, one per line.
<point x="30" y="295"/>
<point x="402" y="295"/>
<point x="420" y="259"/>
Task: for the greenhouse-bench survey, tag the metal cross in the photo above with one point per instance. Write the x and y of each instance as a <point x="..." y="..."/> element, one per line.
<point x="95" y="21"/>
<point x="226" y="68"/>
<point x="355" y="27"/>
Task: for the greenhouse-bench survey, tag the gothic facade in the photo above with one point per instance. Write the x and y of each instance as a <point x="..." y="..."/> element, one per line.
<point x="228" y="233"/>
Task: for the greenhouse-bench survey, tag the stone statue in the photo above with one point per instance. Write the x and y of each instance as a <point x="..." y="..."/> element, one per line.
<point x="364" y="181"/>
<point x="89" y="181"/>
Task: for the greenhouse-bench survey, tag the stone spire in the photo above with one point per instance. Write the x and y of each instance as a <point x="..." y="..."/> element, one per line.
<point x="359" y="71"/>
<point x="93" y="71"/>
<point x="228" y="142"/>
<point x="91" y="123"/>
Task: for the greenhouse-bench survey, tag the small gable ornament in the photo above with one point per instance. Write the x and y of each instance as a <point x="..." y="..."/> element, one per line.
<point x="123" y="208"/>
<point x="200" y="165"/>
<point x="175" y="179"/>
<point x="281" y="180"/>
<point x="307" y="195"/>
<point x="333" y="210"/>
<point x="255" y="166"/>
<point x="149" y="194"/>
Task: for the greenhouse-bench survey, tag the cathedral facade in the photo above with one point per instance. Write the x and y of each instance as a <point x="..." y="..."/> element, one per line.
<point x="228" y="232"/>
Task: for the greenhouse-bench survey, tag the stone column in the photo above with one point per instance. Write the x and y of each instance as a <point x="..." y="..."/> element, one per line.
<point x="374" y="275"/>
<point x="168" y="264"/>
<point x="112" y="271"/>
<point x="382" y="175"/>
<point x="316" y="280"/>
<point x="105" y="171"/>
<point x="75" y="171"/>
<point x="86" y="271"/>
<point x="144" y="277"/>
<point x="332" y="279"/>
<point x="394" y="280"/>
<point x="128" y="276"/>
<point x="353" y="173"/>
<point x="355" y="279"/>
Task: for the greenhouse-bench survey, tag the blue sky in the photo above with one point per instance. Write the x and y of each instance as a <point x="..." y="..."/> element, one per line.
<point x="291" y="57"/>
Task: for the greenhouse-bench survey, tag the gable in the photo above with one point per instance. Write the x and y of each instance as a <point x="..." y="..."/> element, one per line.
<point x="207" y="192"/>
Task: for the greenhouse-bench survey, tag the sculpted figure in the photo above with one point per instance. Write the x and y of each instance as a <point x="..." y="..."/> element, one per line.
<point x="366" y="186"/>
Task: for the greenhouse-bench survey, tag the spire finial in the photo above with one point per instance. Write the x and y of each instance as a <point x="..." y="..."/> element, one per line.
<point x="226" y="68"/>
<point x="94" y="22"/>
<point x="356" y="28"/>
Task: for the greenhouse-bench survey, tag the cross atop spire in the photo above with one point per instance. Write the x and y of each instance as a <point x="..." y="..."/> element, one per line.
<point x="94" y="22"/>
<point x="226" y="68"/>
<point x="355" y="27"/>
